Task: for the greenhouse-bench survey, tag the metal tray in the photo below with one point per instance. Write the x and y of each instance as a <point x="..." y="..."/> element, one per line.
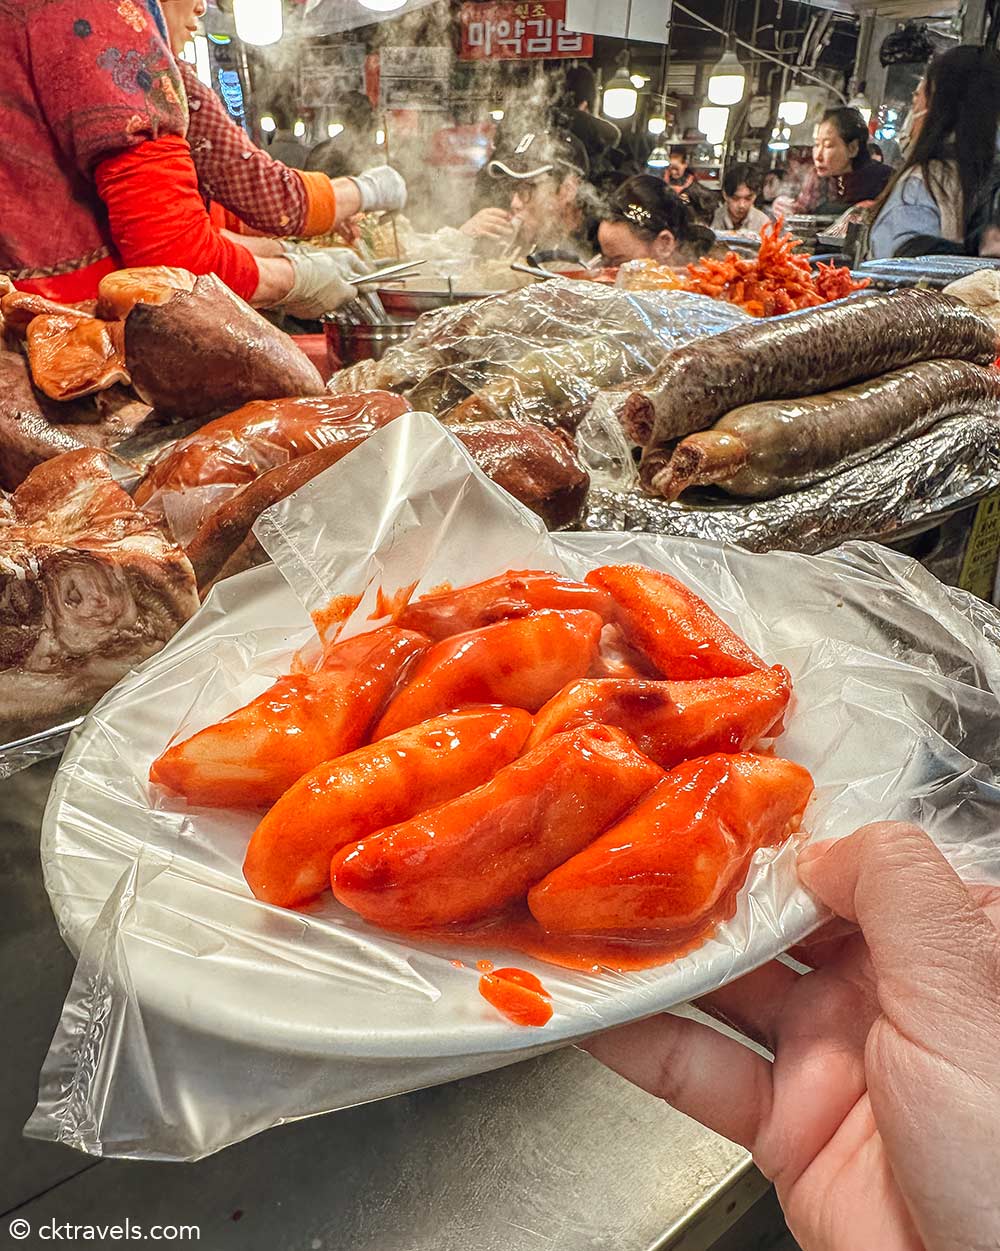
<point x="928" y="271"/>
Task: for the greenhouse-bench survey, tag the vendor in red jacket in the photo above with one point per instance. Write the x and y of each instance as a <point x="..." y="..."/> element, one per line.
<point x="98" y="172"/>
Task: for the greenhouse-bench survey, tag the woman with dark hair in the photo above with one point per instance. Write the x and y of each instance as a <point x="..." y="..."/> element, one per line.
<point x="843" y="163"/>
<point x="645" y="219"/>
<point x="947" y="172"/>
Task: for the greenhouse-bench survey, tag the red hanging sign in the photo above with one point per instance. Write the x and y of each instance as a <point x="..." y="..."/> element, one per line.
<point x="527" y="30"/>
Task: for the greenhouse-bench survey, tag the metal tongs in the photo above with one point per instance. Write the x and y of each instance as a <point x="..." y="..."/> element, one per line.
<point x="400" y="269"/>
<point x="536" y="271"/>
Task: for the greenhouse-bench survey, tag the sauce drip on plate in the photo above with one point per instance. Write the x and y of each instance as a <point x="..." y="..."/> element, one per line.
<point x="516" y="994"/>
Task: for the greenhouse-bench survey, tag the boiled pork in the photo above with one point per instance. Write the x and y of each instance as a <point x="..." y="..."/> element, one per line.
<point x="72" y="356"/>
<point x="119" y="292"/>
<point x="88" y="589"/>
<point x="205" y="351"/>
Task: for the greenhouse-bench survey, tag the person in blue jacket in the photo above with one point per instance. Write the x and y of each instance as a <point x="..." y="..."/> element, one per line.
<point x="951" y="164"/>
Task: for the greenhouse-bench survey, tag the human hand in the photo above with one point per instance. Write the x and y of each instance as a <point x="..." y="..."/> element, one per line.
<point x="489" y="223"/>
<point x="878" y="1118"/>
<point x="322" y="281"/>
<point x="381" y="188"/>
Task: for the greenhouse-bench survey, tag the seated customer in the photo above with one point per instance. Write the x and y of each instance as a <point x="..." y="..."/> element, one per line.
<point x="645" y="219"/>
<point x="843" y="164"/>
<point x="544" y="176"/>
<point x="947" y="177"/>
<point x="738" y="211"/>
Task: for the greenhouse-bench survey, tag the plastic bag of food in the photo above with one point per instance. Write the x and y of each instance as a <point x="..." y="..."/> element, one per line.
<point x="541" y="353"/>
<point x="199" y="1016"/>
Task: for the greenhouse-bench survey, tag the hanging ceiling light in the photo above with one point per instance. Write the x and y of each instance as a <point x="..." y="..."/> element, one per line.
<point x="333" y="129"/>
<point x="258" y="21"/>
<point x="794" y="109"/>
<point x="299" y="129"/>
<point x="267" y="124"/>
<point x="620" y="96"/>
<point x="657" y="124"/>
<point x="713" y="123"/>
<point x="382" y="6"/>
<point x="380" y="137"/>
<point x="780" y="140"/>
<point x="727" y="83"/>
<point x="497" y="114"/>
<point x="659" y="158"/>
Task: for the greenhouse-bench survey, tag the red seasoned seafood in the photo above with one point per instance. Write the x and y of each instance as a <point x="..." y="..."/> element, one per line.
<point x="671" y="625"/>
<point x="677" y="860"/>
<point x="513" y="594"/>
<point x="674" y="721"/>
<point x="250" y="758"/>
<point x="343" y="800"/>
<point x="475" y="855"/>
<point x="519" y="664"/>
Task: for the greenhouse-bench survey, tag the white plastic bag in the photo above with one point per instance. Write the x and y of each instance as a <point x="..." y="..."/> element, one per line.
<point x="199" y="1016"/>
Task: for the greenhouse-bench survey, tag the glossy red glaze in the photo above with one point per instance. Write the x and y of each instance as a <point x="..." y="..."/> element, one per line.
<point x="518" y="995"/>
<point x="478" y="854"/>
<point x="348" y="798"/>
<point x="445" y="611"/>
<point x="519" y="664"/>
<point x="671" y="625"/>
<point x="249" y="759"/>
<point x="674" y="721"/>
<point x="678" y="859"/>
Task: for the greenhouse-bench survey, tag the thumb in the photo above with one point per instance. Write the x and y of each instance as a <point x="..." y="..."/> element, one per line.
<point x="935" y="954"/>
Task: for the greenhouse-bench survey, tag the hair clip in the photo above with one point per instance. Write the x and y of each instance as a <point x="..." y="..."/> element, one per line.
<point x="637" y="215"/>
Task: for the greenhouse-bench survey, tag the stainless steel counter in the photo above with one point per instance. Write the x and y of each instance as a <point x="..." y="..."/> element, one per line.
<point x="556" y="1154"/>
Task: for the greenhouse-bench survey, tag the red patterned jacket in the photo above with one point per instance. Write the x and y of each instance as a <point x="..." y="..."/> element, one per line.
<point x="97" y="171"/>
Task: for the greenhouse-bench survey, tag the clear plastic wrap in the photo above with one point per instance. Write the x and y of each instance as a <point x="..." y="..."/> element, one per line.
<point x="541" y="353"/>
<point x="905" y="490"/>
<point x="199" y="1016"/>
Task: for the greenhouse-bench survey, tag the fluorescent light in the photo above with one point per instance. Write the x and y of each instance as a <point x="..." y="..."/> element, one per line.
<point x="728" y="82"/>
<point x="497" y="114"/>
<point x="380" y="137"/>
<point x="334" y="129"/>
<point x="656" y="125"/>
<point x="382" y="6"/>
<point x="794" y="109"/>
<point x="258" y="21"/>
<point x="299" y="129"/>
<point x="267" y="124"/>
<point x="713" y="123"/>
<point x="620" y="96"/>
<point x="659" y="158"/>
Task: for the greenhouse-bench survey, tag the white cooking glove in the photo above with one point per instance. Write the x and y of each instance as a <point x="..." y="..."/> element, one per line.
<point x="321" y="281"/>
<point x="381" y="189"/>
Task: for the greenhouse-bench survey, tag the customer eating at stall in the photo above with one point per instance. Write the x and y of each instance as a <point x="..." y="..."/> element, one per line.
<point x="545" y="175"/>
<point x="646" y="220"/>
<point x="738" y="212"/>
<point x="99" y="173"/>
<point x="947" y="181"/>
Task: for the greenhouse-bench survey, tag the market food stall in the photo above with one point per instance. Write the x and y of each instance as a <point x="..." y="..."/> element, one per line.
<point x="377" y="696"/>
